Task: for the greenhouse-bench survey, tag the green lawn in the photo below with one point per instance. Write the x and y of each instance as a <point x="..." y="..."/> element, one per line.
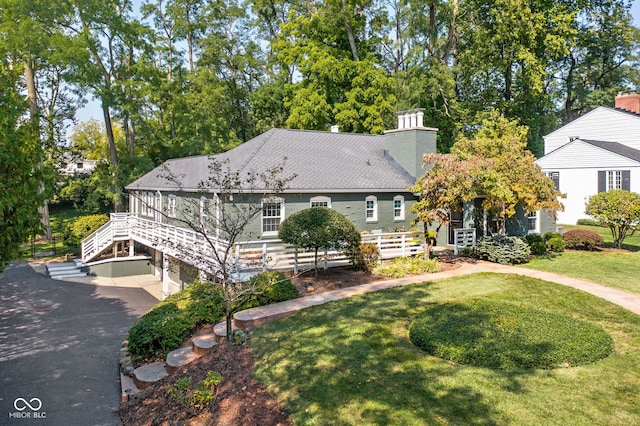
<point x="614" y="269"/>
<point x="59" y="218"/>
<point x="351" y="362"/>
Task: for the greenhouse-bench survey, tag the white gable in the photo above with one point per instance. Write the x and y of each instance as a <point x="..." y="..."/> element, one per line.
<point x="603" y="124"/>
<point x="578" y="154"/>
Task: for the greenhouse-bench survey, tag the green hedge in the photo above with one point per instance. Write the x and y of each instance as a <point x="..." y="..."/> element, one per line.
<point x="502" y="249"/>
<point x="505" y="336"/>
<point x="273" y="287"/>
<point x="172" y="321"/>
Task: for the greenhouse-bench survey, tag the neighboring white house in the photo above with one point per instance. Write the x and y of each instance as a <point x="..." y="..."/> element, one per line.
<point x="72" y="165"/>
<point x="596" y="152"/>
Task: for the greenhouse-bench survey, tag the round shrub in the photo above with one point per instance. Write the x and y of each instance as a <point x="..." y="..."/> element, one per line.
<point x="171" y="321"/>
<point x="533" y="238"/>
<point x="556" y="244"/>
<point x="582" y="239"/>
<point x="505" y="336"/>
<point x="272" y="287"/>
<point x="551" y="234"/>
<point x="538" y="248"/>
<point x="502" y="249"/>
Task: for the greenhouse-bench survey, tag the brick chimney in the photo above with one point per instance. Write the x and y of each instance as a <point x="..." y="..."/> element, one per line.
<point x="629" y="101"/>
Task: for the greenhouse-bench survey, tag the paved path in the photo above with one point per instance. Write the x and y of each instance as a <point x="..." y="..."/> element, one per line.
<point x="263" y="314"/>
<point x="59" y="343"/>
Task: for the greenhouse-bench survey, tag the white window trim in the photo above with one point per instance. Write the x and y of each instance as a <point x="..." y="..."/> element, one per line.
<point x="374" y="209"/>
<point x="271" y="201"/>
<point x="320" y="199"/>
<point x="534" y="215"/>
<point x="401" y="199"/>
<point x="171" y="206"/>
<point x="614" y="179"/>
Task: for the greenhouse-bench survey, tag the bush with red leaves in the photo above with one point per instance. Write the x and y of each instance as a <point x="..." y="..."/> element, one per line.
<point x="582" y="239"/>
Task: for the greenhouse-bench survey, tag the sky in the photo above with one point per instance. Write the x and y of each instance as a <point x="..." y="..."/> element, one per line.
<point x="92" y="109"/>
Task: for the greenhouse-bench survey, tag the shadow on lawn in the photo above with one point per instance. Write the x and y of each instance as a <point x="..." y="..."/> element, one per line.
<point x="352" y="362"/>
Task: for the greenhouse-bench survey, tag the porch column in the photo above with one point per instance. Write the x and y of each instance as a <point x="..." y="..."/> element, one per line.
<point x="157" y="261"/>
<point x="132" y="251"/>
<point x="166" y="281"/>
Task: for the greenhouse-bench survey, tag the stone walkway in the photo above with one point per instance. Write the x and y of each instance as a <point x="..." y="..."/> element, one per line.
<point x="263" y="314"/>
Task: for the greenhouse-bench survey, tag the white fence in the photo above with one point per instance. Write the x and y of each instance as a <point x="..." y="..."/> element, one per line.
<point x="277" y="255"/>
<point x="191" y="247"/>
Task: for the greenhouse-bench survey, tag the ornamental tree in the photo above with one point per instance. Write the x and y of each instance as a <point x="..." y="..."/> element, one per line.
<point x="318" y="228"/>
<point x="618" y="209"/>
<point x="503" y="170"/>
<point x="443" y="189"/>
<point x="495" y="165"/>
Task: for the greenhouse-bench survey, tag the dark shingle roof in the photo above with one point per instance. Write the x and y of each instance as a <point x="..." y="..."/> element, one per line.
<point x="321" y="161"/>
<point x="616" y="148"/>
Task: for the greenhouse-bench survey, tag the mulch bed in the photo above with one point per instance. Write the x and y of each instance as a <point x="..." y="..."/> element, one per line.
<point x="240" y="399"/>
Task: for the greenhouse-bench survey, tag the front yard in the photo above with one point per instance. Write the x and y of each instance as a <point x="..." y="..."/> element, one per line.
<point x="351" y="362"/>
<point x="614" y="268"/>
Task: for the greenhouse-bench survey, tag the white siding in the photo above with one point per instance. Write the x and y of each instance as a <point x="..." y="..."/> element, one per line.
<point x="579" y="154"/>
<point x="581" y="183"/>
<point x="603" y="124"/>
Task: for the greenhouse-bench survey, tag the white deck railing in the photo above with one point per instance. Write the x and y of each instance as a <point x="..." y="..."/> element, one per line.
<point x="190" y="246"/>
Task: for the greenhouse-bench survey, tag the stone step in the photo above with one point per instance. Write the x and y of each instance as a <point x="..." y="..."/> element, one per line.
<point x="63" y="265"/>
<point x="145" y="376"/>
<point x="61" y="277"/>
<point x="203" y="344"/>
<point x="220" y="331"/>
<point x="179" y="358"/>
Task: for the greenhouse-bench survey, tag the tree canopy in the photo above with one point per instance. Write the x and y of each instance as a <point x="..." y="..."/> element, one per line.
<point x="493" y="165"/>
<point x="319" y="228"/>
<point x="617" y="209"/>
<point x="189" y="77"/>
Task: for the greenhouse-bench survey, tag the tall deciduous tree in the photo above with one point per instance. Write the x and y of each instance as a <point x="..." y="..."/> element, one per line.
<point x="505" y="173"/>
<point x="20" y="173"/>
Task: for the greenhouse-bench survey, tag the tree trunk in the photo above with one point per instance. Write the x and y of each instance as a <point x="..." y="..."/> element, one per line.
<point x="34" y="111"/>
<point x="315" y="263"/>
<point x="349" y="30"/>
<point x="428" y="241"/>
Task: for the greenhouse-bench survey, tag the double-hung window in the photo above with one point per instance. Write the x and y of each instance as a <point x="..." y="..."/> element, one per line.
<point x="614" y="179"/>
<point x="371" y="208"/>
<point x="555" y="177"/>
<point x="532" y="223"/>
<point x="398" y="207"/>
<point x="272" y="215"/>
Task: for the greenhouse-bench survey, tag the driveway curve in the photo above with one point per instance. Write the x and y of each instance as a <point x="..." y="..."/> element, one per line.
<point x="59" y="343"/>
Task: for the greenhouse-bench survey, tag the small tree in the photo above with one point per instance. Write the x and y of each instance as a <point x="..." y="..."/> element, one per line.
<point x="494" y="165"/>
<point x="235" y="201"/>
<point x="318" y="228"/>
<point x="441" y="190"/>
<point x="618" y="209"/>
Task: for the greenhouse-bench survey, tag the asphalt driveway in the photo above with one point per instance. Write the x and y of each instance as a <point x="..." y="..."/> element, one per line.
<point x="58" y="348"/>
